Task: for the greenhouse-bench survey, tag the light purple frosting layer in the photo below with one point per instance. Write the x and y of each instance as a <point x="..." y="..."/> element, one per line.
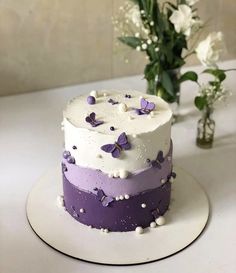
<point x="87" y="179"/>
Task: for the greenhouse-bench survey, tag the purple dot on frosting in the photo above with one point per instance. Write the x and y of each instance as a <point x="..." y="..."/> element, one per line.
<point x="112" y="128"/>
<point x="91" y="100"/>
<point x="70" y="159"/>
<point x="66" y="154"/>
<point x="74" y="147"/>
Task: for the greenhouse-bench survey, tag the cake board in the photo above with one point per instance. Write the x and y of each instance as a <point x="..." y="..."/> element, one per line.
<point x="185" y="221"/>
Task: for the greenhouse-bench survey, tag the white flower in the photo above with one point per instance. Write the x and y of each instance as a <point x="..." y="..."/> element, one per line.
<point x="144" y="46"/>
<point x="208" y="51"/>
<point x="191" y="2"/>
<point x="133" y="15"/>
<point x="182" y="19"/>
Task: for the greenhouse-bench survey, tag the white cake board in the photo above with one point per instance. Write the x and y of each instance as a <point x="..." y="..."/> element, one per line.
<point x="185" y="221"/>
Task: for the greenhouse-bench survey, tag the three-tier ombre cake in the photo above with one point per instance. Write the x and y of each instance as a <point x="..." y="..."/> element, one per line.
<point x="117" y="162"/>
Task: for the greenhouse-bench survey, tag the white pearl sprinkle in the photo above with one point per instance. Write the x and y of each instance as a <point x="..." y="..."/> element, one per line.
<point x="149" y="41"/>
<point x="156" y="49"/>
<point x="122" y="107"/>
<point x="121" y="197"/>
<point x="90" y="226"/>
<point x="160" y="221"/>
<point x="102" y="229"/>
<point x="153" y="224"/>
<point x="134" y="136"/>
<point x="139" y="230"/>
<point x="123" y="174"/>
<point x="94" y="93"/>
<point x="126" y="196"/>
<point x="82" y="210"/>
<point x="137" y="34"/>
<point x="143" y="205"/>
<point x="117" y="198"/>
<point x="104" y="94"/>
<point x="151" y="23"/>
<point x="142" y="11"/>
<point x="138" y="48"/>
<point x="163" y="181"/>
<point x="106" y="230"/>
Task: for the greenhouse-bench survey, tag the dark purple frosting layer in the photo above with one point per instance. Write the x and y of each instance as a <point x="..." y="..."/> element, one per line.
<point x="122" y="215"/>
<point x="87" y="179"/>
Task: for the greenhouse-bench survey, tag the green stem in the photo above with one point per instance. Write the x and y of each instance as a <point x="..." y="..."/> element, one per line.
<point x="206" y="117"/>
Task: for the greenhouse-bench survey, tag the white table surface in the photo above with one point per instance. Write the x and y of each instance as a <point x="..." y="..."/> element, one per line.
<point x="31" y="143"/>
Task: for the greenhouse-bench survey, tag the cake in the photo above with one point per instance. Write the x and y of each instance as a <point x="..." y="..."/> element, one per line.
<point x="117" y="160"/>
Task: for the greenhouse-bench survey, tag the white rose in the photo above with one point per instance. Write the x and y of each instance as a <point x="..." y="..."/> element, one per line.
<point x="191" y="2"/>
<point x="208" y="51"/>
<point x="182" y="19"/>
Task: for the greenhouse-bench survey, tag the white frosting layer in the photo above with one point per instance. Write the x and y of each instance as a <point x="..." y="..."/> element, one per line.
<point x="147" y="134"/>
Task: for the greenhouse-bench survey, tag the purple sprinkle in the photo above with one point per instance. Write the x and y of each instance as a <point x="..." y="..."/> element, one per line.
<point x="70" y="159"/>
<point x="91" y="100"/>
<point x="74" y="147"/>
<point x="66" y="154"/>
<point x="112" y="128"/>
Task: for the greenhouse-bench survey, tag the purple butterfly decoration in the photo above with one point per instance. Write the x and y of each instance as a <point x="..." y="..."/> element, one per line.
<point x="92" y="120"/>
<point x="113" y="102"/>
<point x="157" y="162"/>
<point x="146" y="107"/>
<point x="106" y="200"/>
<point x="116" y="148"/>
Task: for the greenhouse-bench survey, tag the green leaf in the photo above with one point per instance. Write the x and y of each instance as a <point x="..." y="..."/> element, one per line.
<point x="189" y="76"/>
<point x="167" y="83"/>
<point x="172" y="5"/>
<point x="130" y="41"/>
<point x="200" y="102"/>
<point x="218" y="73"/>
<point x="150" y="71"/>
<point x="135" y="1"/>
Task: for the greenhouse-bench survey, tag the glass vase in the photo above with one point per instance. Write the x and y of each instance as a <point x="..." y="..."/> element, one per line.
<point x="205" y="129"/>
<point x="154" y="87"/>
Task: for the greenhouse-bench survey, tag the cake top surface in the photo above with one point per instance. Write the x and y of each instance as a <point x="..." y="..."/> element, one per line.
<point x="116" y="112"/>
